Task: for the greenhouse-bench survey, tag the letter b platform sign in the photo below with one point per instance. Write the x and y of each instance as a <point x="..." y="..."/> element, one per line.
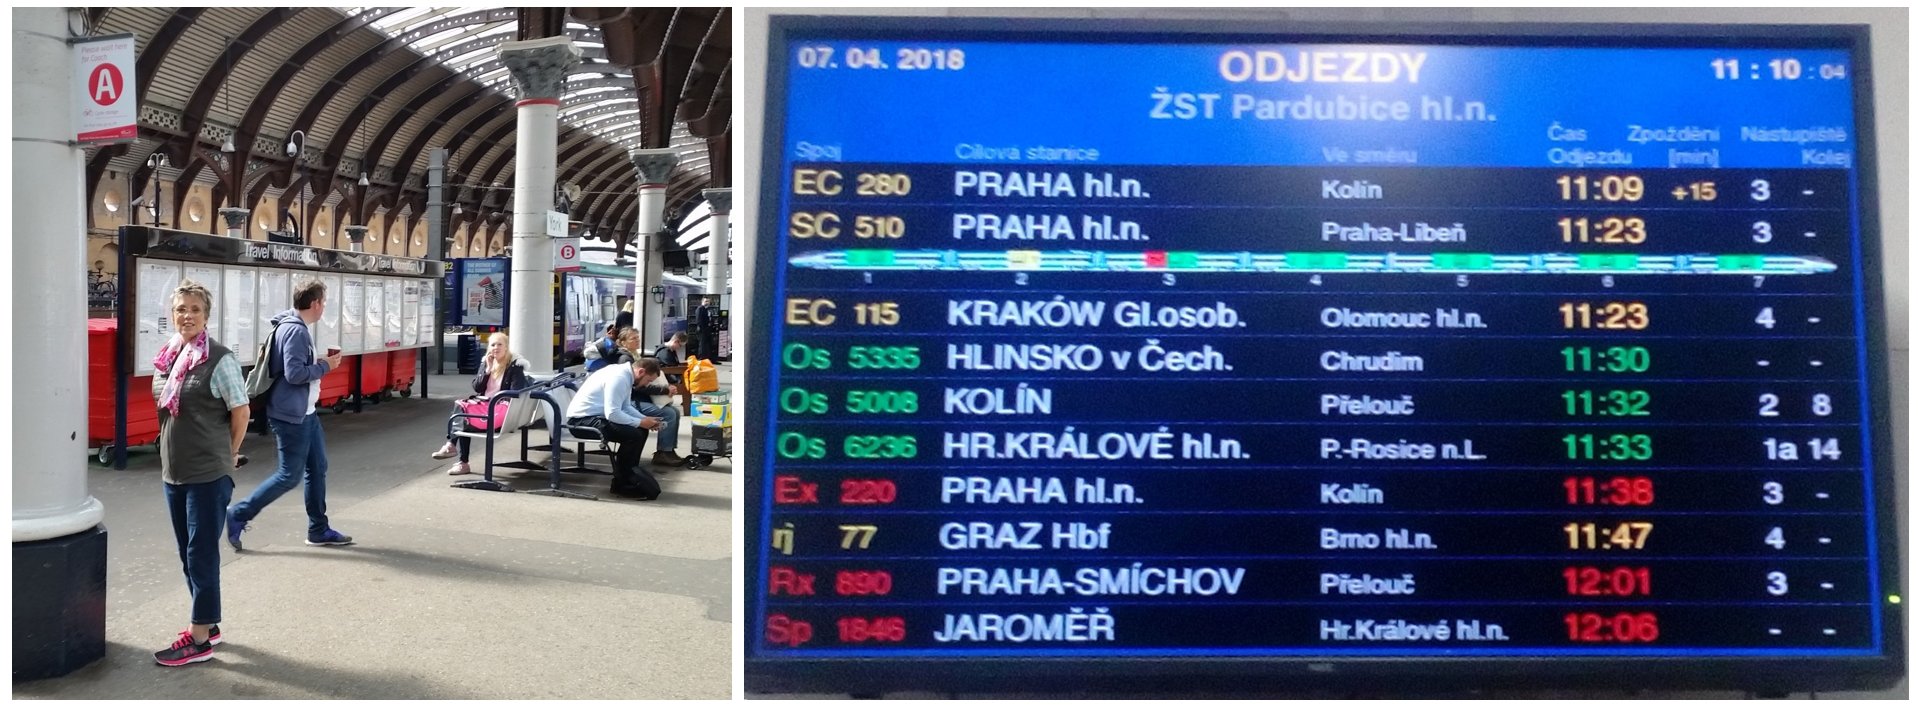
<point x="565" y="255"/>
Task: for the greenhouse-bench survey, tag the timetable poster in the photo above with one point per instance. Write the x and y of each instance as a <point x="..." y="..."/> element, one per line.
<point x="353" y="317"/>
<point x="410" y="325"/>
<point x="428" y="303"/>
<point x="327" y="334"/>
<point x="1112" y="348"/>
<point x="276" y="295"/>
<point x="210" y="277"/>
<point x="241" y="317"/>
<point x="395" y="311"/>
<point x="154" y="325"/>
<point x="375" y="313"/>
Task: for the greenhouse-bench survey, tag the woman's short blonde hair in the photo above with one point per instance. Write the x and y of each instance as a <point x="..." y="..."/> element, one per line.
<point x="189" y="287"/>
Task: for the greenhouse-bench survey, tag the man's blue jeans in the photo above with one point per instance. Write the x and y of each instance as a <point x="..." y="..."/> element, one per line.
<point x="302" y="449"/>
<point x="669" y="422"/>
<point x="199" y="517"/>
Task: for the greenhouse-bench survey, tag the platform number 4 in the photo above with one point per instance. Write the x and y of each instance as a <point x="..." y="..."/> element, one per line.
<point x="1776" y="537"/>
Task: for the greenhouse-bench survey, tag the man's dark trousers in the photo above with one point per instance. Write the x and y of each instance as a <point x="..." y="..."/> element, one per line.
<point x="628" y="478"/>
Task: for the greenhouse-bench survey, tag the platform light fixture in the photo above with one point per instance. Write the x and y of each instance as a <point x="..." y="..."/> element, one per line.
<point x="226" y="97"/>
<point x="293" y="150"/>
<point x="156" y="161"/>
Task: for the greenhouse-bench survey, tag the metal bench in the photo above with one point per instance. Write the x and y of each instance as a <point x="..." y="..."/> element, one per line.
<point x="558" y="399"/>
<point x="525" y="461"/>
<point x="562" y="398"/>
<point x="520" y="409"/>
<point x="542" y="404"/>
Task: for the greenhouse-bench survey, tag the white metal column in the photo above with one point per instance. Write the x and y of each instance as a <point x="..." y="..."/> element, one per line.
<point x="235" y="219"/>
<point x="50" y="496"/>
<point x="718" y="265"/>
<point x="539" y="69"/>
<point x="59" y="543"/>
<point x="655" y="167"/>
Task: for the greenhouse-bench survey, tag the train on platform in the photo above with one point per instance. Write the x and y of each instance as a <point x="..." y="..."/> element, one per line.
<point x="584" y="303"/>
<point x="571" y="334"/>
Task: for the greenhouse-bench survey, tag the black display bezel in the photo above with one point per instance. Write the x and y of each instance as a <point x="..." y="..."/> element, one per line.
<point x="1289" y="674"/>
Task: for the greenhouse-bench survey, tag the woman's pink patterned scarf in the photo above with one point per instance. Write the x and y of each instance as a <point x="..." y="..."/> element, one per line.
<point x="176" y="365"/>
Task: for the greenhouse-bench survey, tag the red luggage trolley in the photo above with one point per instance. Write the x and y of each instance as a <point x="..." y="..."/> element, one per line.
<point x="143" y="415"/>
<point x="374" y="381"/>
<point x="337" y="385"/>
<point x="403" y="367"/>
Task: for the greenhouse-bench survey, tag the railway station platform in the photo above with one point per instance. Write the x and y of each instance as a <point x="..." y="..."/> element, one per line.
<point x="447" y="593"/>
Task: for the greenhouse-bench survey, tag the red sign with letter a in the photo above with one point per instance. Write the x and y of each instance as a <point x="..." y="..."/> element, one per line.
<point x="106" y="103"/>
<point x="106" y="84"/>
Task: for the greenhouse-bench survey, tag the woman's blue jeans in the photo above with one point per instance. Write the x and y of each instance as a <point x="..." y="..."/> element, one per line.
<point x="199" y="517"/>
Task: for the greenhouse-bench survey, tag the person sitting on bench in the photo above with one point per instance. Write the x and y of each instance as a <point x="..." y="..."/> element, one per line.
<point x="609" y="403"/>
<point x="501" y="370"/>
<point x="672" y="353"/>
<point x="603" y="352"/>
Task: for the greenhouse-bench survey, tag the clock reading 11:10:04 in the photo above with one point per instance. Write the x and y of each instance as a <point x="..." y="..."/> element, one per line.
<point x="1782" y="69"/>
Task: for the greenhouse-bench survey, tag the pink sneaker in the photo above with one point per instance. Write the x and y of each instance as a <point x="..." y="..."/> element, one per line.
<point x="445" y="451"/>
<point x="459" y="469"/>
<point x="183" y="651"/>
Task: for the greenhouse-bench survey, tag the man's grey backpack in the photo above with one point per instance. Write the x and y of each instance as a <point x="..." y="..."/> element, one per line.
<point x="261" y="379"/>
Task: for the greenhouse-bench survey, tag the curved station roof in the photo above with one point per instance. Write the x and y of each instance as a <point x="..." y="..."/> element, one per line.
<point x="363" y="95"/>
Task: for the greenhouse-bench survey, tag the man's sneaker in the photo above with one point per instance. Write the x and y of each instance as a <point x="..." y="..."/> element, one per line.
<point x="331" y="538"/>
<point x="668" y="458"/>
<point x="445" y="451"/>
<point x="184" y="651"/>
<point x="460" y="468"/>
<point x="233" y="529"/>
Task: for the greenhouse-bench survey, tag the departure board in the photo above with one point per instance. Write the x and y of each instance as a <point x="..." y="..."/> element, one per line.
<point x="1131" y="345"/>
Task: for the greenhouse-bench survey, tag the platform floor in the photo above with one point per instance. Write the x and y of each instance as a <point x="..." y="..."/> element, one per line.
<point x="448" y="593"/>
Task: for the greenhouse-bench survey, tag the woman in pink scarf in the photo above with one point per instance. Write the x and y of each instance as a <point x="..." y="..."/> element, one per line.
<point x="203" y="416"/>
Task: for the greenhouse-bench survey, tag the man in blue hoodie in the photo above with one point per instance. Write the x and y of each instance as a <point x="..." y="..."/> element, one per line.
<point x="290" y="407"/>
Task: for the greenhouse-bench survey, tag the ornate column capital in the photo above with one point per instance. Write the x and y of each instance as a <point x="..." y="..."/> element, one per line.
<point x="235" y="218"/>
<point x="540" y="66"/>
<point x="655" y="166"/>
<point x="357" y="234"/>
<point x="720" y="199"/>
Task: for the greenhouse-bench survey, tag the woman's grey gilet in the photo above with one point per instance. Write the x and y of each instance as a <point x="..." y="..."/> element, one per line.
<point x="197" y="445"/>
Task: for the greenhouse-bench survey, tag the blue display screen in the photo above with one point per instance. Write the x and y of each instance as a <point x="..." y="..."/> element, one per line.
<point x="1178" y="348"/>
<point x="1246" y="105"/>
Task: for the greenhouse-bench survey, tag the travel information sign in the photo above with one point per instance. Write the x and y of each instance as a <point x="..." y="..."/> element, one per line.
<point x="1200" y="347"/>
